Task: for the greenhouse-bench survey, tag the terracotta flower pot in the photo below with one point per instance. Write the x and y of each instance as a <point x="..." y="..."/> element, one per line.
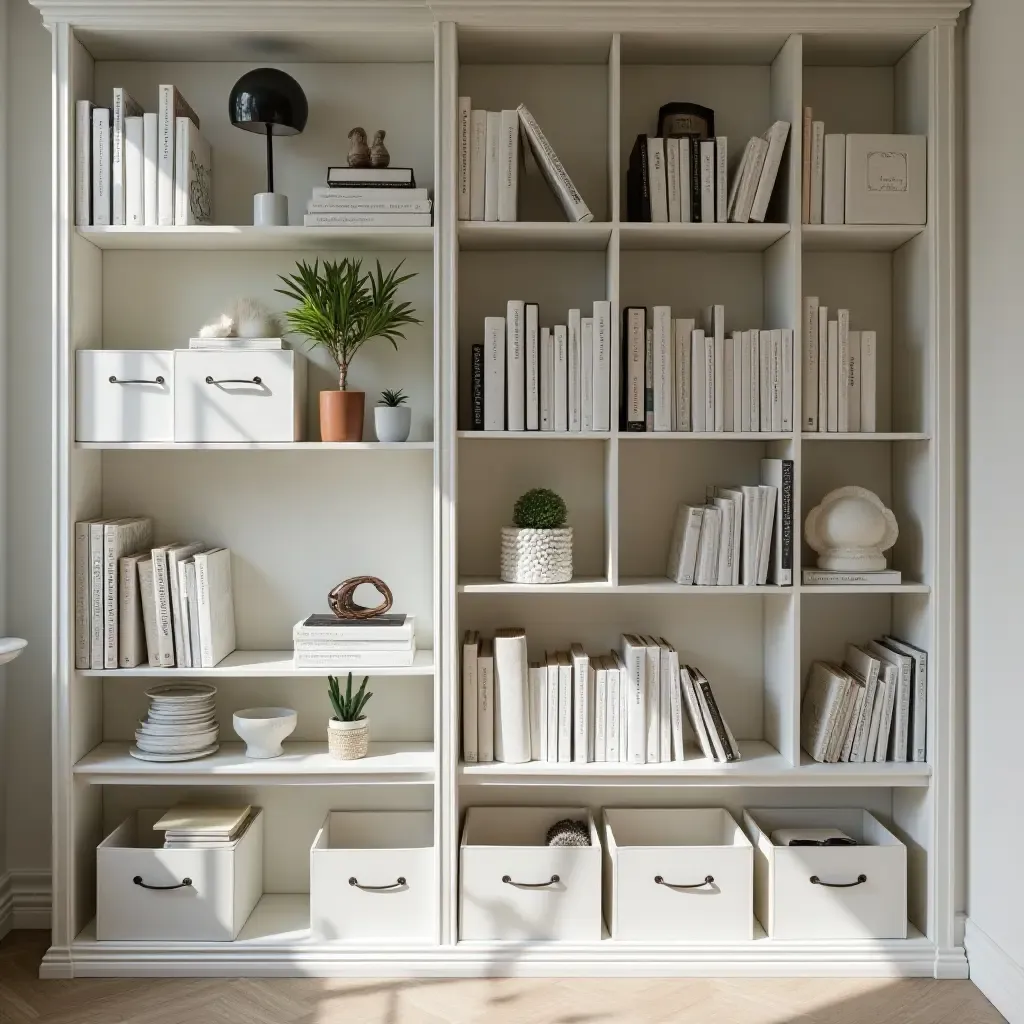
<point x="341" y="415"/>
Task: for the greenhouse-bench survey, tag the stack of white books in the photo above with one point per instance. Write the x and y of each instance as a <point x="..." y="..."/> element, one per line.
<point x="196" y="827"/>
<point x="624" y="706"/>
<point x="874" y="707"/>
<point x="325" y="641"/>
<point x="369" y="197"/>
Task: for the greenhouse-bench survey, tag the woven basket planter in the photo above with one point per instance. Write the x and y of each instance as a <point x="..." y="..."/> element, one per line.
<point x="348" y="741"/>
<point x="536" y="556"/>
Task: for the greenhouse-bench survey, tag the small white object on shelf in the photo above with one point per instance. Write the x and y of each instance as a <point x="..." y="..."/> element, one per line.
<point x="536" y="556"/>
<point x="10" y="648"/>
<point x="850" y="530"/>
<point x="264" y="729"/>
<point x="886" y="179"/>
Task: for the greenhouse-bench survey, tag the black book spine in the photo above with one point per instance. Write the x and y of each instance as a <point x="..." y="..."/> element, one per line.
<point x="716" y="719"/>
<point x="787" y="518"/>
<point x="477" y="389"/>
<point x="644" y="181"/>
<point x="628" y="378"/>
<point x="695" y="210"/>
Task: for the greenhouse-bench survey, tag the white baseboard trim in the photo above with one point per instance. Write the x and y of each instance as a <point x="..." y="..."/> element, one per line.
<point x="6" y="905"/>
<point x="997" y="975"/>
<point x="28" y="901"/>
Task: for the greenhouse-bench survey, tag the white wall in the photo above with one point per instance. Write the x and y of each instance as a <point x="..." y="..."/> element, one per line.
<point x="995" y="346"/>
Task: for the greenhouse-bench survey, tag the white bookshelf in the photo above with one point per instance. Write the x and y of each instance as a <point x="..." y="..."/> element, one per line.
<point x="425" y="516"/>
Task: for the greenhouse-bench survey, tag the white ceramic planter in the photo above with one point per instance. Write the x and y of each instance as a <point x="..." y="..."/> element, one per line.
<point x="392" y="422"/>
<point x="536" y="556"/>
<point x="264" y="730"/>
<point x="348" y="741"/>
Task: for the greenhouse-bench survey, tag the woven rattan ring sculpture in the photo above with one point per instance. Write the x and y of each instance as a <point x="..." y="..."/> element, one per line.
<point x="341" y="598"/>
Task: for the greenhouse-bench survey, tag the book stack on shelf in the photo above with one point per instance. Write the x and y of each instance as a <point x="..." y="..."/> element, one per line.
<point x="493" y="147"/>
<point x="742" y="535"/>
<point x="181" y="724"/>
<point x="527" y="377"/>
<point x="680" y="377"/>
<point x="874" y="707"/>
<point x="169" y="606"/>
<point x="625" y="706"/>
<point x="687" y="179"/>
<point x="839" y="373"/>
<point x="369" y="197"/>
<point x="200" y="827"/>
<point x="326" y="641"/>
<point x="140" y="169"/>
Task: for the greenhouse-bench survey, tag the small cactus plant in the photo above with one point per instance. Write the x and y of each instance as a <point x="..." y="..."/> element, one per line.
<point x="393" y="399"/>
<point x="348" y="707"/>
<point x="540" y="509"/>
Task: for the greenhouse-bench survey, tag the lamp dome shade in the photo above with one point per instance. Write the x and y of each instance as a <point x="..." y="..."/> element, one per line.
<point x="269" y="102"/>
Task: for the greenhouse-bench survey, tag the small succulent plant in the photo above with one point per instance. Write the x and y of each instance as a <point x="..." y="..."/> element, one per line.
<point x="540" y="509"/>
<point x="393" y="399"/>
<point x="348" y="706"/>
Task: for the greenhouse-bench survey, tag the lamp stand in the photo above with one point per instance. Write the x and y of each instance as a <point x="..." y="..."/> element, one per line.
<point x="270" y="208"/>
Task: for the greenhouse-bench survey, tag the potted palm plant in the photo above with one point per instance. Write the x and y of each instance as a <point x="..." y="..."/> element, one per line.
<point x="392" y="417"/>
<point x="340" y="308"/>
<point x="348" y="731"/>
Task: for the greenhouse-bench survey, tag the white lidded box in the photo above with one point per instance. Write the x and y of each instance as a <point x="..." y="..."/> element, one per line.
<point x="222" y="396"/>
<point x="124" y="395"/>
<point x="677" y="875"/>
<point x="146" y="892"/>
<point x="514" y="887"/>
<point x="371" y="876"/>
<point x="828" y="892"/>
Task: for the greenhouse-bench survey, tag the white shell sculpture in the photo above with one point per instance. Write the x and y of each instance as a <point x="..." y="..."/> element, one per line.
<point x="850" y="529"/>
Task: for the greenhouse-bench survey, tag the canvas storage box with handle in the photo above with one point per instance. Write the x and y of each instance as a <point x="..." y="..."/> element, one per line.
<point x="828" y="892"/>
<point x="237" y="397"/>
<point x="124" y="395"/>
<point x="371" y="876"/>
<point x="146" y="892"/>
<point x="513" y="886"/>
<point x="677" y="875"/>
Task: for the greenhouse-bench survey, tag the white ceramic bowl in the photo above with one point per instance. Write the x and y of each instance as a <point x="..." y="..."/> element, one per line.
<point x="264" y="729"/>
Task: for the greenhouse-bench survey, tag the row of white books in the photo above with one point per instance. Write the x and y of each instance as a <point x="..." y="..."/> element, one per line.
<point x="677" y="376"/>
<point x="527" y="377"/>
<point x="491" y="156"/>
<point x="742" y="535"/>
<point x="839" y="373"/>
<point x="169" y="606"/>
<point x="326" y="641"/>
<point x="141" y="169"/>
<point x="625" y="706"/>
<point x="874" y="707"/>
<point x="679" y="180"/>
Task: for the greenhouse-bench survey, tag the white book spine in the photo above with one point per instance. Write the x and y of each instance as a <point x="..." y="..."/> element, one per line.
<point x="150" y="147"/>
<point x="602" y="364"/>
<point x="511" y="698"/>
<point x="776" y="379"/>
<point x="383" y="204"/>
<point x="809" y="366"/>
<point x="822" y="369"/>
<point x="538" y="718"/>
<point x="833" y="376"/>
<point x="635" y="658"/>
<point x="574" y="371"/>
<point x="96" y="595"/>
<point x="493" y="178"/>
<point x="737" y="178"/>
<point x="532" y="368"/>
<point x="729" y="377"/>
<point x="508" y="184"/>
<point x="554" y="173"/>
<point x="165" y="158"/>
<point x="134" y="173"/>
<point x="662" y="337"/>
<point x="552" y="709"/>
<point x="587" y="373"/>
<point x="564" y="708"/>
<point x="147" y="599"/>
<point x="707" y="181"/>
<point x="690" y="544"/>
<point x="117" y="165"/>
<point x="665" y="680"/>
<point x="561" y="379"/>
<point x="868" y="357"/>
<point x="656" y="179"/>
<point x="755" y="380"/>
<point x="464" y="158"/>
<point x="580" y="704"/>
<point x="737" y="380"/>
<point x="698" y="381"/>
<point x="725" y="542"/>
<point x="686" y="211"/>
<point x="390" y="220"/>
<point x="215" y="611"/>
<point x="834" y="187"/>
<point x="745" y="381"/>
<point x="112" y="548"/>
<point x="485" y="704"/>
<point x="721" y="383"/>
<point x="83" y="169"/>
<point x="721" y="179"/>
<point x="182" y="620"/>
<point x="843" y="371"/>
<point x="162" y="604"/>
<point x="652" y="679"/>
<point x="130" y="647"/>
<point x="477" y="163"/>
<point x="853" y="381"/>
<point x="83" y="605"/>
<point x="682" y="331"/>
<point x="601" y="713"/>
<point x="547" y="377"/>
<point x="672" y="178"/>
<point x="494" y="373"/>
<point x="776" y="138"/>
<point x="101" y="204"/>
<point x="634" y="368"/>
<point x="750" y="189"/>
<point x="613" y="714"/>
<point x="648" y="380"/>
<point x="817" y="169"/>
<point x="712" y="419"/>
<point x="515" y="347"/>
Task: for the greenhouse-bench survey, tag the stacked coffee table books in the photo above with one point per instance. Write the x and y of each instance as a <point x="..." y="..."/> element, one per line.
<point x="330" y="642"/>
<point x="181" y="724"/>
<point x="197" y="827"/>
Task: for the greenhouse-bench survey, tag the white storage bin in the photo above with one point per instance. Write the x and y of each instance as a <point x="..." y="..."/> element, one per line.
<point x="239" y="396"/>
<point x="124" y="395"/>
<point x="146" y="892"/>
<point x="371" y="876"/>
<point x="828" y="892"/>
<point x="514" y="887"/>
<point x="677" y="875"/>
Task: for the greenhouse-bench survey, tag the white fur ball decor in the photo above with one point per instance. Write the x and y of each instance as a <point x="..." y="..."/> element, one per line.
<point x="247" y="318"/>
<point x="536" y="556"/>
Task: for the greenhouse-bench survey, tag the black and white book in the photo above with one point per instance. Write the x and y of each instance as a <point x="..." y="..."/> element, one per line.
<point x="394" y="626"/>
<point x="648" y="380"/>
<point x="749" y="180"/>
<point x="368" y="177"/>
<point x="822" y="369"/>
<point x="688" y="687"/>
<point x="476" y="392"/>
<point x="778" y="473"/>
<point x="735" y="495"/>
<point x="615" y="745"/>
<point x="554" y="172"/>
<point x="638" y="187"/>
<point x="686" y="147"/>
<point x="634" y="336"/>
<point x="335" y="200"/>
<point x="722" y="739"/>
<point x="599" y="666"/>
<point x="868" y="384"/>
<point x="123" y="107"/>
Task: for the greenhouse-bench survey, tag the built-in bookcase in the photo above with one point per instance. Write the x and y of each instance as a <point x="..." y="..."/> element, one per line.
<point x="426" y="516"/>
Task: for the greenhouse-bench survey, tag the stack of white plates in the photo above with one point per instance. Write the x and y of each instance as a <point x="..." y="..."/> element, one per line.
<point x="181" y="725"/>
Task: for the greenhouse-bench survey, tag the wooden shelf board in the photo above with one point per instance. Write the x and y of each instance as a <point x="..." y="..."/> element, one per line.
<point x="761" y="765"/>
<point x="892" y="435"/>
<point x="300" y="764"/>
<point x="857" y="237"/>
<point x="533" y="435"/>
<point x="702" y="435"/>
<point x="257" y="446"/>
<point x="246" y="238"/>
<point x="266" y="665"/>
<point x="854" y="588"/>
<point x="520" y="235"/>
<point x="494" y="585"/>
<point x="701" y="237"/>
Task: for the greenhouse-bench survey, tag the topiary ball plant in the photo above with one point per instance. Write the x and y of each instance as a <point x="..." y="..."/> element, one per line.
<point x="540" y="509"/>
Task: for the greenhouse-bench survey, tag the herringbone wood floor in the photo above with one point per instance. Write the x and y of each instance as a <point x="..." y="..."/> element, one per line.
<point x="24" y="999"/>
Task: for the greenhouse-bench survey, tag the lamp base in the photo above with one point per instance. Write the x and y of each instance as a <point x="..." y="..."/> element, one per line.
<point x="269" y="209"/>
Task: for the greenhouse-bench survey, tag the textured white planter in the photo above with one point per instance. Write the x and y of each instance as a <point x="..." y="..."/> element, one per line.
<point x="392" y="422"/>
<point x="536" y="556"/>
<point x="348" y="741"/>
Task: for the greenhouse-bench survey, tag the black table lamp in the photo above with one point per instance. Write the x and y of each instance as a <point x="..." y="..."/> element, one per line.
<point x="269" y="102"/>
